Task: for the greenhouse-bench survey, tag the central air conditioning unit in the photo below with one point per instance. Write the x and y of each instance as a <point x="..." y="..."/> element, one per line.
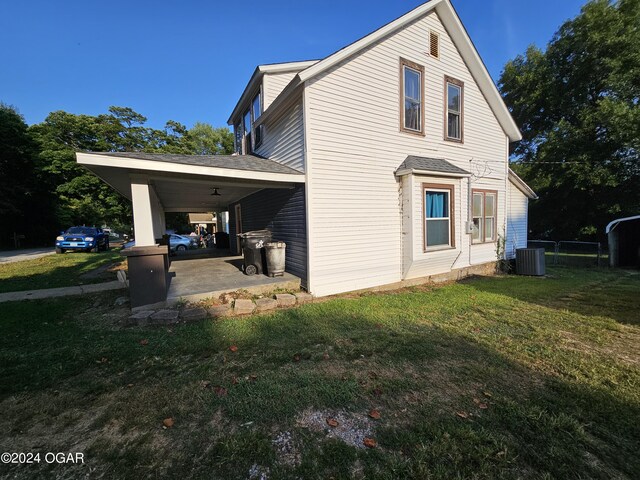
<point x="530" y="261"/>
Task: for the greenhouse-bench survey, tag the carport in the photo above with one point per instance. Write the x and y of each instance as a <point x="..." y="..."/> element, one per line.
<point x="161" y="183"/>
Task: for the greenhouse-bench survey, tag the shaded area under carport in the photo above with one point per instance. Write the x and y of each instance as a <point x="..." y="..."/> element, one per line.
<point x="195" y="279"/>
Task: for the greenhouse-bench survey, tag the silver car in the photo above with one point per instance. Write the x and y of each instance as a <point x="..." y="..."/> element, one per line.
<point x="180" y="243"/>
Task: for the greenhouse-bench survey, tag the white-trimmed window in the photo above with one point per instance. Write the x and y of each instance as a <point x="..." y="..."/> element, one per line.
<point x="411" y="97"/>
<point x="438" y="216"/>
<point x="454" y="95"/>
<point x="256" y="111"/>
<point x="246" y="128"/>
<point x="484" y="208"/>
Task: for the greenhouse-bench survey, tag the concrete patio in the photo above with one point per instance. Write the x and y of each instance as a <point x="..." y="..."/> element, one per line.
<point x="201" y="278"/>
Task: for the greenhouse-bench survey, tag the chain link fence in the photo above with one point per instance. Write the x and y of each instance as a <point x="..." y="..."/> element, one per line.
<point x="572" y="253"/>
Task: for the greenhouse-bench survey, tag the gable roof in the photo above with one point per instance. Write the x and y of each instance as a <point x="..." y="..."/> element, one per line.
<point x="257" y="75"/>
<point x="436" y="166"/>
<point x="521" y="185"/>
<point x="458" y="34"/>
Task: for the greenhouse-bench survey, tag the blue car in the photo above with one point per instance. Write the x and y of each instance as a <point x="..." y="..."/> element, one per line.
<point x="82" y="238"/>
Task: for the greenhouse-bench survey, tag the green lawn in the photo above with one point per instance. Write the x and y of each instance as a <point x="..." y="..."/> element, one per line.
<point x="71" y="268"/>
<point x="505" y="377"/>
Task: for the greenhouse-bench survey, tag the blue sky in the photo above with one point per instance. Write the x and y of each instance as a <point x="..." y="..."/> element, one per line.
<point x="189" y="60"/>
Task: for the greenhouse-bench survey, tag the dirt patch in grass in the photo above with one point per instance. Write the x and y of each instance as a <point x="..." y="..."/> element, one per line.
<point x="624" y="346"/>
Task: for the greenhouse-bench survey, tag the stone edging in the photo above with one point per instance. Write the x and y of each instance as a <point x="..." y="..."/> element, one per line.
<point x="240" y="306"/>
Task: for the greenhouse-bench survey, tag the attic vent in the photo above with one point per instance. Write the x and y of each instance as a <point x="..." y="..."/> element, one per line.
<point x="434" y="44"/>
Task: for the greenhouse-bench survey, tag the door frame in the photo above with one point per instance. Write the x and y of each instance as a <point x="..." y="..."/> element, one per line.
<point x="238" y="215"/>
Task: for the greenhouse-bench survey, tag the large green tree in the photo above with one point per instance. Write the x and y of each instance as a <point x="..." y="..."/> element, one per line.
<point x="81" y="197"/>
<point x="25" y="204"/>
<point x="577" y="104"/>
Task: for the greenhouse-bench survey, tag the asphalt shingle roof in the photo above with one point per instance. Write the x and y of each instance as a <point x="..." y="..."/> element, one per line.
<point x="430" y="165"/>
<point x="236" y="162"/>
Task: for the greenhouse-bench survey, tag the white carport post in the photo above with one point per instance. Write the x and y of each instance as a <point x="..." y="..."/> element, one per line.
<point x="148" y="213"/>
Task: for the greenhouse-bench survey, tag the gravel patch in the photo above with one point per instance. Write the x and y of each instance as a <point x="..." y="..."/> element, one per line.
<point x="286" y="449"/>
<point x="258" y="472"/>
<point x="351" y="428"/>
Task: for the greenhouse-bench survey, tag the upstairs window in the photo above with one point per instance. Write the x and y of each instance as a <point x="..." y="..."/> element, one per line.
<point x="454" y="95"/>
<point x="438" y="221"/>
<point x="484" y="216"/>
<point x="411" y="97"/>
<point x="256" y="111"/>
<point x="246" y="125"/>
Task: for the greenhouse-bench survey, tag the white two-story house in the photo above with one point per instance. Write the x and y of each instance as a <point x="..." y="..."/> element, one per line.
<point x="404" y="142"/>
<point x="385" y="161"/>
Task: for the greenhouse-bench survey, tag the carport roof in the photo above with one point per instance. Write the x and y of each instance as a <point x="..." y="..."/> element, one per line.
<point x="235" y="162"/>
<point x="184" y="183"/>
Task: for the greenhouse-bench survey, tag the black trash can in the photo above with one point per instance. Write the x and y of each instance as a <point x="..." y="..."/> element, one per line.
<point x="252" y="244"/>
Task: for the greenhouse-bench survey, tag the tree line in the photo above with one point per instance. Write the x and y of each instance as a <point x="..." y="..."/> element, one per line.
<point x="578" y="106"/>
<point x="43" y="189"/>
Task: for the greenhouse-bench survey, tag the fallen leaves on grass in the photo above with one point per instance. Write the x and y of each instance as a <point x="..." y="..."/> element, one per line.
<point x="234" y="380"/>
<point x="296" y="357"/>
<point x="233" y="348"/>
<point x="332" y="422"/>
<point x="220" y="391"/>
<point x="168" y="422"/>
<point x="370" y="443"/>
<point x="375" y="414"/>
<point x="325" y="356"/>
<point x="462" y="414"/>
<point x="144" y="342"/>
<point x="102" y="360"/>
<point x="205" y="383"/>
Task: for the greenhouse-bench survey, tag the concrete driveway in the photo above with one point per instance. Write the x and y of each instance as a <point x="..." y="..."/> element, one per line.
<point x="10" y="256"/>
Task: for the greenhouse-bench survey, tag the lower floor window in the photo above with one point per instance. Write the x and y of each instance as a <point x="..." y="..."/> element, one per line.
<point x="438" y="227"/>
<point x="484" y="216"/>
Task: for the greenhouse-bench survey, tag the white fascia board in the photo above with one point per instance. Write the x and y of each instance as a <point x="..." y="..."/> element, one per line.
<point x="521" y="185"/>
<point x="168" y="167"/>
<point x="286" y="67"/>
<point x="250" y="88"/>
<point x="413" y="171"/>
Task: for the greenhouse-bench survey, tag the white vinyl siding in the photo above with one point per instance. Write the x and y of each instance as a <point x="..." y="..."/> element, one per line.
<point x="273" y="84"/>
<point x="354" y="200"/>
<point x="517" y="226"/>
<point x="283" y="138"/>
